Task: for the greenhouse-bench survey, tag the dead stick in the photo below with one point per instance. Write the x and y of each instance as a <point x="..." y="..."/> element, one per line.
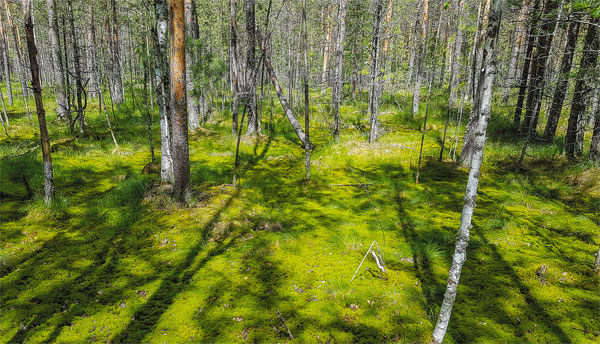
<point x="284" y="324"/>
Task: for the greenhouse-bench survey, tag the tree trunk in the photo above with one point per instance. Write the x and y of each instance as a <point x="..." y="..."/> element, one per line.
<point x="79" y="91"/>
<point x="5" y="62"/>
<point x="162" y="90"/>
<point x="538" y="67"/>
<point x="116" y="82"/>
<point x="61" y="101"/>
<point x="20" y="58"/>
<point x="456" y="54"/>
<point x="251" y="70"/>
<point x="305" y="81"/>
<point x="526" y="63"/>
<point x="420" y="57"/>
<point x="460" y="252"/>
<point x="181" y="156"/>
<point x="326" y="49"/>
<point x="375" y="72"/>
<point x="190" y="59"/>
<point x="563" y="81"/>
<point x="595" y="144"/>
<point x="39" y="105"/>
<point x="518" y="42"/>
<point x="338" y="84"/>
<point x="583" y="87"/>
<point x="233" y="65"/>
<point x="266" y="48"/>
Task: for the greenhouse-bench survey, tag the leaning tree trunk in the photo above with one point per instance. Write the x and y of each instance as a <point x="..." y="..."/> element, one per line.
<point x="563" y="81"/>
<point x="582" y="89"/>
<point x="266" y="49"/>
<point x="181" y="154"/>
<point x="39" y="105"/>
<point x="162" y="91"/>
<point x="486" y="77"/>
<point x="338" y="83"/>
<point x="61" y="100"/>
<point x="190" y="59"/>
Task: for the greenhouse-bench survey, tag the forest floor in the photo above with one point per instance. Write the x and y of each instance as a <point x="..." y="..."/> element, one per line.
<point x="114" y="260"/>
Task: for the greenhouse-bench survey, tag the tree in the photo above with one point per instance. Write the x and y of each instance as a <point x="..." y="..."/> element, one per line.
<point x="191" y="29"/>
<point x="5" y="62"/>
<point x="39" y="105"/>
<point x="305" y="81"/>
<point x="589" y="57"/>
<point x="162" y="90"/>
<point x="563" y="81"/>
<point x="457" y="9"/>
<point x="338" y="83"/>
<point x="420" y="57"/>
<point x="61" y="100"/>
<point x="375" y="73"/>
<point x="250" y="82"/>
<point x="233" y="65"/>
<point x="486" y="82"/>
<point x="181" y="156"/>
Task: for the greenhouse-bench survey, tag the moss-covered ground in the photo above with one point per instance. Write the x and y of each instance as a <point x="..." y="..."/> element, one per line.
<point x="113" y="259"/>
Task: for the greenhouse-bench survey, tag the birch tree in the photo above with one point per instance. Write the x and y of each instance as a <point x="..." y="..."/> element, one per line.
<point x="486" y="78"/>
<point x="338" y="83"/>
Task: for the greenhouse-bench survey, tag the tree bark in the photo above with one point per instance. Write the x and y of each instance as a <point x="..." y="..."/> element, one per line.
<point x="6" y="62"/>
<point x="338" y="84"/>
<point x="233" y="65"/>
<point x="460" y="252"/>
<point x="251" y="70"/>
<point x="305" y="81"/>
<point x="421" y="53"/>
<point x="39" y="105"/>
<point x="563" y="81"/>
<point x="181" y="156"/>
<point x="375" y="72"/>
<point x="518" y="42"/>
<point x="326" y="49"/>
<point x="116" y="81"/>
<point x="162" y="90"/>
<point x="595" y="146"/>
<point x="190" y="60"/>
<point x="79" y="91"/>
<point x="20" y="58"/>
<point x="61" y="101"/>
<point x="457" y="7"/>
<point x="538" y="67"/>
<point x="573" y="145"/>
<point x="526" y="63"/>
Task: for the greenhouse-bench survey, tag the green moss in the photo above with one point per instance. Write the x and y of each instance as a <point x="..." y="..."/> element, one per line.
<point x="113" y="258"/>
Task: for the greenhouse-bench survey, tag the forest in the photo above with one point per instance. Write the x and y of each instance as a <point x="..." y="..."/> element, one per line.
<point x="300" y="171"/>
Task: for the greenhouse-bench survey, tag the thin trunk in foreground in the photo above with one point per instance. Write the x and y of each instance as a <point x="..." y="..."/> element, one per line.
<point x="181" y="155"/>
<point x="39" y="105"/>
<point x="305" y="80"/>
<point x="460" y="253"/>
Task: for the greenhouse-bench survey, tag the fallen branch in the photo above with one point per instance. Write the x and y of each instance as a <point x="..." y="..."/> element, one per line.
<point x="18" y="155"/>
<point x="378" y="259"/>
<point x="284" y="324"/>
<point x="355" y="185"/>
